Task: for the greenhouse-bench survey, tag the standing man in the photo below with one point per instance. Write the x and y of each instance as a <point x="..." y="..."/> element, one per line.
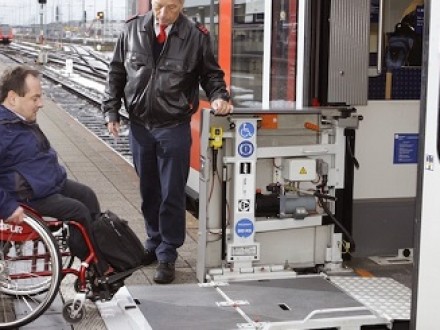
<point x="158" y="63"/>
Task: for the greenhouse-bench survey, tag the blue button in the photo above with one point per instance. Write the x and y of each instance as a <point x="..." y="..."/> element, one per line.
<point x="246" y="149"/>
<point x="244" y="228"/>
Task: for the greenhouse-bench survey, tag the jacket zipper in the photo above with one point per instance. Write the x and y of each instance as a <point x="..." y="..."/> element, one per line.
<point x="148" y="94"/>
<point x="153" y="78"/>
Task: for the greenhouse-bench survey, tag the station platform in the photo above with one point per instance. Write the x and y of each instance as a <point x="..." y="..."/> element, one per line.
<point x="89" y="160"/>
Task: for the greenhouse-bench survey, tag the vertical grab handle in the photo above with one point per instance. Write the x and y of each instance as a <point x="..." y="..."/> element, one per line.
<point x="380" y="38"/>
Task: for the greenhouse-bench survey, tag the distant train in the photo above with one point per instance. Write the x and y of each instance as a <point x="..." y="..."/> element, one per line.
<point x="6" y="34"/>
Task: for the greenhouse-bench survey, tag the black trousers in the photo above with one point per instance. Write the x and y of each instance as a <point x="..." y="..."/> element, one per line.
<point x="76" y="202"/>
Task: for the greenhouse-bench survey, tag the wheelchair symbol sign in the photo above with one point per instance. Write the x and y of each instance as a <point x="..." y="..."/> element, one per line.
<point x="246" y="130"/>
<point x="245" y="149"/>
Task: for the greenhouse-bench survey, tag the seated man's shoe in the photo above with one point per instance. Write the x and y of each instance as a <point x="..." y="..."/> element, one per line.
<point x="165" y="273"/>
<point x="149" y="258"/>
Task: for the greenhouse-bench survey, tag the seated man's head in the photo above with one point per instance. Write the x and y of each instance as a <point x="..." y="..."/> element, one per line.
<point x="20" y="91"/>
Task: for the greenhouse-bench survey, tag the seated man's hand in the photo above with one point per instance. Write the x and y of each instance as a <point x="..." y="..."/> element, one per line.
<point x="17" y="216"/>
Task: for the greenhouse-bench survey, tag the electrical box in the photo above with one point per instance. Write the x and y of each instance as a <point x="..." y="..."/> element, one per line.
<point x="299" y="169"/>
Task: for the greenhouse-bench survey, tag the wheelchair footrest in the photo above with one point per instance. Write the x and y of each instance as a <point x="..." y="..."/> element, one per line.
<point x="108" y="285"/>
<point x="109" y="279"/>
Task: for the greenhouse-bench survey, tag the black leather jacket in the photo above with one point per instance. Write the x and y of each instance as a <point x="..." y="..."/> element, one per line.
<point x="165" y="92"/>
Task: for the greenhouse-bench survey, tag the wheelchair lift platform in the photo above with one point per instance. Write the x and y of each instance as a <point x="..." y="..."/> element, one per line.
<point x="303" y="302"/>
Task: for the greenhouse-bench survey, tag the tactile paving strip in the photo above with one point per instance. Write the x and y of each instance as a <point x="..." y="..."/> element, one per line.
<point x="386" y="296"/>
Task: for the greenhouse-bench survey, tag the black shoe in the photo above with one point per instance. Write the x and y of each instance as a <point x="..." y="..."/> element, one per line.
<point x="165" y="273"/>
<point x="149" y="258"/>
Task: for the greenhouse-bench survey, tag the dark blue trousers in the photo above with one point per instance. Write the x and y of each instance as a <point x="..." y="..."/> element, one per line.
<point x="161" y="159"/>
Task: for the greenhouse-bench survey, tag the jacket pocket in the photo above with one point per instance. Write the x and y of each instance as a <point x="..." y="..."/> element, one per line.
<point x="173" y="75"/>
<point x="138" y="67"/>
<point x="137" y="60"/>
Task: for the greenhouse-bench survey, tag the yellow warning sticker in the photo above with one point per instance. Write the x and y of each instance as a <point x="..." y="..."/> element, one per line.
<point x="303" y="170"/>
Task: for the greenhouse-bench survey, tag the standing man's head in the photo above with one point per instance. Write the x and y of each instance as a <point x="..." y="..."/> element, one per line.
<point x="20" y="91"/>
<point x="167" y="11"/>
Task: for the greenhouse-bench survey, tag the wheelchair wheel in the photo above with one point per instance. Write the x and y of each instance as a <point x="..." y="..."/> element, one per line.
<point x="72" y="312"/>
<point x="30" y="271"/>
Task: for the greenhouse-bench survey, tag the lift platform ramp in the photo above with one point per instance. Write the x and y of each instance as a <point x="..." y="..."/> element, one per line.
<point x="305" y="302"/>
<point x="269" y="198"/>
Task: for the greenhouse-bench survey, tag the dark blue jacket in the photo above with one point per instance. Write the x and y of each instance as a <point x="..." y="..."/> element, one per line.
<point x="29" y="167"/>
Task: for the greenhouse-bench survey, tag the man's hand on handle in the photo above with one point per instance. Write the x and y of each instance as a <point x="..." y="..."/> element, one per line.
<point x="221" y="107"/>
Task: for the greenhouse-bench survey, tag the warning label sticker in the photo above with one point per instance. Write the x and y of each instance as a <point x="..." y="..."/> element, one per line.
<point x="244" y="205"/>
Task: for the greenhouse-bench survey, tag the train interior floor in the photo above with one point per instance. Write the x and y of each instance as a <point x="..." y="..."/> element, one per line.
<point x="401" y="272"/>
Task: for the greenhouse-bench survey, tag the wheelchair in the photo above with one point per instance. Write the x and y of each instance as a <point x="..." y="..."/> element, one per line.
<point x="34" y="258"/>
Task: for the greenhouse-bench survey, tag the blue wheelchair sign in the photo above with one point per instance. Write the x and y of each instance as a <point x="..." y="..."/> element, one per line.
<point x="246" y="130"/>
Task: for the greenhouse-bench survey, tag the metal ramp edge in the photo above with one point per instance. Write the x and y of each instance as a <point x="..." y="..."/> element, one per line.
<point x="384" y="295"/>
<point x="122" y="312"/>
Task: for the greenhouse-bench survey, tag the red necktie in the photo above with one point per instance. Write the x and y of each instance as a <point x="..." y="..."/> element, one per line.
<point x="162" y="36"/>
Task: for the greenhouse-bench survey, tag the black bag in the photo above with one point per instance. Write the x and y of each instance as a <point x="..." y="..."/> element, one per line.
<point x="118" y="244"/>
<point x="400" y="44"/>
<point x="404" y="47"/>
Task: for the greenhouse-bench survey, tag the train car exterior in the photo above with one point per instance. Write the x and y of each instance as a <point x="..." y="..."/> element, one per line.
<point x="6" y="34"/>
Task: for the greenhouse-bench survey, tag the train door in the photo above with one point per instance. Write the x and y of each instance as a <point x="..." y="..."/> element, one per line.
<point x="298" y="53"/>
<point x="398" y="142"/>
<point x="387" y="141"/>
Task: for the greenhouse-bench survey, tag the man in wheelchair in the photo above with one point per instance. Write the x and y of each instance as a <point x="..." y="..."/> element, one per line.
<point x="30" y="172"/>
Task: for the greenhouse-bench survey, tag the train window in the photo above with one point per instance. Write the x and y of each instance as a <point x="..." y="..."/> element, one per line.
<point x="247" y="53"/>
<point x="283" y="54"/>
<point x="395" y="49"/>
<point x="248" y="49"/>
